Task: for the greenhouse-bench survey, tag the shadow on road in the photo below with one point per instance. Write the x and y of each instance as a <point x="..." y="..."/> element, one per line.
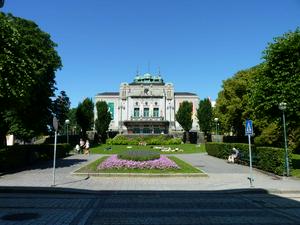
<point x="239" y="206"/>
<point x="60" y="163"/>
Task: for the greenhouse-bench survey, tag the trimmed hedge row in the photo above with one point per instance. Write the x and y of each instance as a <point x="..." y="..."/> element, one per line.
<point x="265" y="158"/>
<point x="149" y="140"/>
<point x="18" y="156"/>
<point x="139" y="155"/>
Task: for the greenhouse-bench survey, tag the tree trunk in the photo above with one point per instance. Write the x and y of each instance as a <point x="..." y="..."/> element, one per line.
<point x="2" y="140"/>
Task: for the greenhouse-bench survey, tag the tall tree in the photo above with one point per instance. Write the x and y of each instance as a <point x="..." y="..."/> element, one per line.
<point x="28" y="62"/>
<point x="103" y="120"/>
<point x="279" y="82"/>
<point x="61" y="108"/>
<point x="232" y="105"/>
<point x="204" y="115"/>
<point x="184" y="117"/>
<point x="73" y="121"/>
<point x="85" y="115"/>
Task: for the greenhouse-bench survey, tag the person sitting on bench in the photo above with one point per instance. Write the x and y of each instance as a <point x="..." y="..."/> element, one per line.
<point x="233" y="156"/>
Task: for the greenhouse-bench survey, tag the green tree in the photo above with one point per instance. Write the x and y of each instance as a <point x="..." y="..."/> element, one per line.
<point x="232" y="105"/>
<point x="61" y="108"/>
<point x="184" y="117"/>
<point x="103" y="120"/>
<point x="278" y="82"/>
<point x="73" y="121"/>
<point x="204" y="115"/>
<point x="85" y="115"/>
<point x="28" y="62"/>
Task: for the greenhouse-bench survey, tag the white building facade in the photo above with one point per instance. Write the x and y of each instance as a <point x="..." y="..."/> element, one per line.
<point x="147" y="106"/>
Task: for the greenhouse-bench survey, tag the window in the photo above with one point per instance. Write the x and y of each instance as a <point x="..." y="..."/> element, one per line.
<point x="146" y="112"/>
<point x="136" y="112"/>
<point x="156" y="112"/>
<point x="146" y="130"/>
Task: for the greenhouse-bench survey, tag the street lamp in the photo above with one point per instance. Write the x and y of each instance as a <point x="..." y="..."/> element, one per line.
<point x="282" y="106"/>
<point x="67" y="123"/>
<point x="216" y="120"/>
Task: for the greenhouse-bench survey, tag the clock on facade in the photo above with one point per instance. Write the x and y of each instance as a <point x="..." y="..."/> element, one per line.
<point x="146" y="91"/>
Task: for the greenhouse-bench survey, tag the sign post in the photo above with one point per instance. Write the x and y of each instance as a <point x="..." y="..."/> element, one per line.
<point x="249" y="132"/>
<point x="55" y="125"/>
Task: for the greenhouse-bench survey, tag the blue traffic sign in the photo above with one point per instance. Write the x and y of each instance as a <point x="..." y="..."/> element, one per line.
<point x="249" y="127"/>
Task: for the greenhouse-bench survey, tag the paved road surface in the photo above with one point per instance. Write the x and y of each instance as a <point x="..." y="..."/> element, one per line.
<point x="221" y="176"/>
<point x="149" y="208"/>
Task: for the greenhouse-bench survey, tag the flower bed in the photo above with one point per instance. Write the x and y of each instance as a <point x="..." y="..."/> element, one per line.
<point x="114" y="162"/>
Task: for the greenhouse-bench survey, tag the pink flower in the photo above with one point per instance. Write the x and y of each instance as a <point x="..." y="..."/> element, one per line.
<point x="114" y="162"/>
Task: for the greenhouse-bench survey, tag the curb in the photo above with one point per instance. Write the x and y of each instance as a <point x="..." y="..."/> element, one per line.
<point x="72" y="191"/>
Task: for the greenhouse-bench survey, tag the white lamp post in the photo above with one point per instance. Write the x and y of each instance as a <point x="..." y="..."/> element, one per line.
<point x="216" y="120"/>
<point x="67" y="124"/>
<point x="282" y="106"/>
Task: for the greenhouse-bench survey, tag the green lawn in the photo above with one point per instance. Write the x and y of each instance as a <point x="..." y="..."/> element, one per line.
<point x="187" y="148"/>
<point x="184" y="168"/>
<point x="296" y="165"/>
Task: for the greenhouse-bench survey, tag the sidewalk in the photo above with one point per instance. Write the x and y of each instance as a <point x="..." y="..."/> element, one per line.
<point x="221" y="176"/>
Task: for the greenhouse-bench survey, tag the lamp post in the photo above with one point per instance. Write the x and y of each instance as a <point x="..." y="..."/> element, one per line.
<point x="282" y="106"/>
<point x="216" y="120"/>
<point x="67" y="123"/>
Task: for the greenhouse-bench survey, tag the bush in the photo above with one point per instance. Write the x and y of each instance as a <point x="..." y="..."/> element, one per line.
<point x="18" y="156"/>
<point x="139" y="155"/>
<point x="149" y="140"/>
<point x="266" y="158"/>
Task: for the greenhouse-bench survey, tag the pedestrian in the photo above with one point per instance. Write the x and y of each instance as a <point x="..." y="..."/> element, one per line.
<point x="77" y="148"/>
<point x="81" y="145"/>
<point x="87" y="148"/>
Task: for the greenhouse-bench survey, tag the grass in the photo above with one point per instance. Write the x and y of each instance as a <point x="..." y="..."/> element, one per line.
<point x="115" y="149"/>
<point x="296" y="165"/>
<point x="184" y="168"/>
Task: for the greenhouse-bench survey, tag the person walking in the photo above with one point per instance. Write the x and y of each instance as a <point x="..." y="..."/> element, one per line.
<point x="81" y="145"/>
<point x="87" y="148"/>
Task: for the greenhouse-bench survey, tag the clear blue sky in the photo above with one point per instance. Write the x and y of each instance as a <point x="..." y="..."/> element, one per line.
<point x="196" y="43"/>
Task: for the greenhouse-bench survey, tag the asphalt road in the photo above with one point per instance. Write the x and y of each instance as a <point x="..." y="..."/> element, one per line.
<point x="238" y="207"/>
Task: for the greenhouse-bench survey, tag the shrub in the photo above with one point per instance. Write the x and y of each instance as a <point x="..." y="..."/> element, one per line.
<point x="173" y="141"/>
<point x="149" y="140"/>
<point x="266" y="158"/>
<point x="18" y="156"/>
<point x="139" y="155"/>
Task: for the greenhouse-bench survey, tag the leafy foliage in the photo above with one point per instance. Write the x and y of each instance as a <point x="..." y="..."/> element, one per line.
<point x="18" y="156"/>
<point x="61" y="107"/>
<point x="232" y="105"/>
<point x="103" y="119"/>
<point x="265" y="158"/>
<point x="85" y="115"/>
<point x="139" y="155"/>
<point x="28" y="62"/>
<point x="279" y="81"/>
<point x="149" y="140"/>
<point x="204" y="115"/>
<point x="184" y="117"/>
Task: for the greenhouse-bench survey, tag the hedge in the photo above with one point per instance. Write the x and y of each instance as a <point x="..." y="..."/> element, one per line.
<point x="149" y="140"/>
<point x="18" y="156"/>
<point x="266" y="158"/>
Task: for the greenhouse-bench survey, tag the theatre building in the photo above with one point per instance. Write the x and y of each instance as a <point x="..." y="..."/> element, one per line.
<point x="148" y="105"/>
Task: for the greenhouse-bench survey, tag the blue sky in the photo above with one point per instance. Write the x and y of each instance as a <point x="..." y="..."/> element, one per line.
<point x="196" y="43"/>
